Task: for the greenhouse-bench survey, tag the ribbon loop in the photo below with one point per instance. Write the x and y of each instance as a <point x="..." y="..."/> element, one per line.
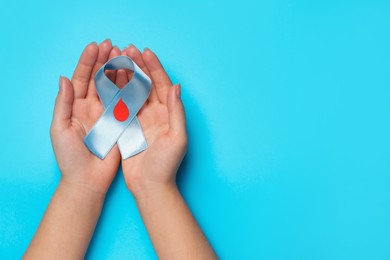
<point x="119" y="123"/>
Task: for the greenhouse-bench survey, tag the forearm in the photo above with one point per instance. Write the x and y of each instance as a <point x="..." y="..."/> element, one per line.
<point x="68" y="224"/>
<point x="174" y="232"/>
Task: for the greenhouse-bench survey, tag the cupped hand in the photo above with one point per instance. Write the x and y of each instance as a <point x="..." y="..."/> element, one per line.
<point x="76" y="110"/>
<point x="162" y="120"/>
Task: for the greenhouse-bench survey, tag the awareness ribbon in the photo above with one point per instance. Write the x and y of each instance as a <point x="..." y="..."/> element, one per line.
<point x="119" y="123"/>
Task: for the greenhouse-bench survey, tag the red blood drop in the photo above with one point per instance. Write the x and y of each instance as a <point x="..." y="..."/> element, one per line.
<point x="121" y="112"/>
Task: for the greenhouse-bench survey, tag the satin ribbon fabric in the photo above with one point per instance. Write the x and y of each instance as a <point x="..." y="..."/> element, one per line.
<point x="119" y="123"/>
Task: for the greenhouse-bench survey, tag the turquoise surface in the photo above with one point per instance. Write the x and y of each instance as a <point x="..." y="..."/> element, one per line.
<point x="287" y="104"/>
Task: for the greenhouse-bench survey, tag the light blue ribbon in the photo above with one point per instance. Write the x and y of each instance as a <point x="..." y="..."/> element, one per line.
<point x="108" y="130"/>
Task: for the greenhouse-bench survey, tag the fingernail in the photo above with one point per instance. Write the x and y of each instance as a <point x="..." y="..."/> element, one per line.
<point x="94" y="43"/>
<point x="178" y="90"/>
<point x="108" y="40"/>
<point x="147" y="49"/>
<point x="131" y="45"/>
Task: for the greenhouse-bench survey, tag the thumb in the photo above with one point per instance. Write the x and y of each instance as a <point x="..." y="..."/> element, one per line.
<point x="64" y="103"/>
<point x="177" y="121"/>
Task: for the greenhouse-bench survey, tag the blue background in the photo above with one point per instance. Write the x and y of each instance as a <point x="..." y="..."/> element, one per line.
<point x="288" y="117"/>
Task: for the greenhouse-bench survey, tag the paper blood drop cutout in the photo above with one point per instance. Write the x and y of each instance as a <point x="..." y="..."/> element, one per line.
<point x="121" y="112"/>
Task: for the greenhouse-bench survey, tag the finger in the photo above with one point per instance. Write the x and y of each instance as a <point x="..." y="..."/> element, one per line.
<point x="64" y="103"/>
<point x="111" y="74"/>
<point x="121" y="76"/>
<point x="177" y="122"/>
<point x="104" y="51"/>
<point x="136" y="56"/>
<point x="129" y="73"/>
<point x="160" y="78"/>
<point x="82" y="73"/>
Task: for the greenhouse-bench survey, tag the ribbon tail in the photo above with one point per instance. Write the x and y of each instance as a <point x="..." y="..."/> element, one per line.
<point x="132" y="141"/>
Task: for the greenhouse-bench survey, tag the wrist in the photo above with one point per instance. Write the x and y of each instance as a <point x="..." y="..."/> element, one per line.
<point x="81" y="193"/>
<point x="154" y="192"/>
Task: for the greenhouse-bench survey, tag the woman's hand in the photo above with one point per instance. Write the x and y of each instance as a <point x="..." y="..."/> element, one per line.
<point x="163" y="124"/>
<point x="150" y="175"/>
<point x="71" y="217"/>
<point x="76" y="111"/>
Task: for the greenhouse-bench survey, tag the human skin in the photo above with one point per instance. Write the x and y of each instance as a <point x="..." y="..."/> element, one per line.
<point x="70" y="219"/>
<point x="151" y="175"/>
